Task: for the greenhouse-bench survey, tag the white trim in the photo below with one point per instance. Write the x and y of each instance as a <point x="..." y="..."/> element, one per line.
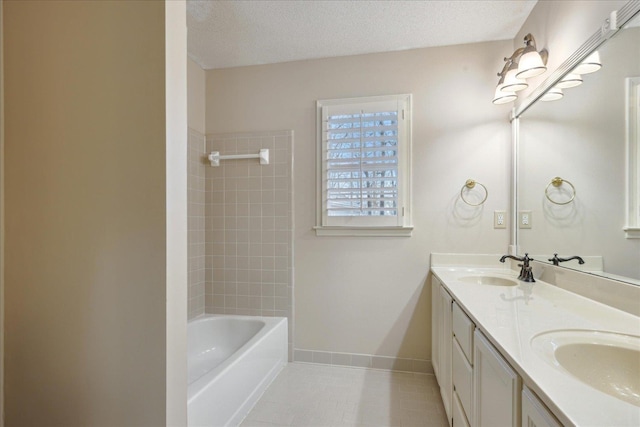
<point x="360" y="225"/>
<point x="176" y="211"/>
<point x="364" y="231"/>
<point x="2" y="231"/>
<point x="632" y="211"/>
<point x="366" y="361"/>
<point x="632" y="233"/>
<point x="514" y="240"/>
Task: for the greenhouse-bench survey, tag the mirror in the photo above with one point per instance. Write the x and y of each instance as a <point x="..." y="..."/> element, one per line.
<point x="582" y="138"/>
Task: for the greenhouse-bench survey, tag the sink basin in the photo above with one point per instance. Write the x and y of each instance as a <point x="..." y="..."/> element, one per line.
<point x="606" y="361"/>
<point x="489" y="280"/>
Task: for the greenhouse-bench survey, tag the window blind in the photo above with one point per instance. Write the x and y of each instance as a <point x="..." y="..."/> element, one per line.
<point x="364" y="166"/>
<point x="362" y="163"/>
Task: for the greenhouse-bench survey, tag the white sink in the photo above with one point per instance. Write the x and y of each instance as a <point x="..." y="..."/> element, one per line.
<point x="489" y="280"/>
<point x="606" y="361"/>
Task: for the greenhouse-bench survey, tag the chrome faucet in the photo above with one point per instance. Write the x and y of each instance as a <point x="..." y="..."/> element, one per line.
<point x="526" y="272"/>
<point x="557" y="261"/>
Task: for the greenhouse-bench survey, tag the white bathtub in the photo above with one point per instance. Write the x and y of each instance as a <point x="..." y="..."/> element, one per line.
<point x="231" y="361"/>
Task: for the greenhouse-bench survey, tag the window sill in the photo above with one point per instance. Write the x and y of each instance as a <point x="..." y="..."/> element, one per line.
<point x="364" y="231"/>
<point x="632" y="232"/>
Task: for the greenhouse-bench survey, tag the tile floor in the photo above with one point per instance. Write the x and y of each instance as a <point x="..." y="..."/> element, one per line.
<point x="307" y="395"/>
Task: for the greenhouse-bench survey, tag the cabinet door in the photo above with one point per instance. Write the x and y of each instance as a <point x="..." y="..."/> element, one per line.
<point x="534" y="413"/>
<point x="459" y="416"/>
<point x="435" y="326"/>
<point x="445" y="344"/>
<point x="496" y="387"/>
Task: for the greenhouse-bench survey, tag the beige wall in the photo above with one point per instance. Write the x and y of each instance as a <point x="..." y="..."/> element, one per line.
<point x="176" y="182"/>
<point x="195" y="96"/>
<point x="368" y="295"/>
<point x="85" y="213"/>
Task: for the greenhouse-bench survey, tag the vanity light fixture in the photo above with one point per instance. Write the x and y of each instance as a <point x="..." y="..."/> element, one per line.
<point x="532" y="63"/>
<point x="591" y="64"/>
<point x="570" y="80"/>
<point x="503" y="96"/>
<point x="574" y="78"/>
<point x="525" y="62"/>
<point x="511" y="82"/>
<point x="552" y="94"/>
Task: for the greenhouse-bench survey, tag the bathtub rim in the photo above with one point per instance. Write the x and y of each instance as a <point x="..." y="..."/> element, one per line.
<point x="200" y="385"/>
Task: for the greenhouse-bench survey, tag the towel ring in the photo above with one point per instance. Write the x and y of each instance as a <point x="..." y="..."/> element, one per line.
<point x="469" y="185"/>
<point x="557" y="182"/>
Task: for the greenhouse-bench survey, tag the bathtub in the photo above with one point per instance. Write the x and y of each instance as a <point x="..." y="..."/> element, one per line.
<point x="231" y="361"/>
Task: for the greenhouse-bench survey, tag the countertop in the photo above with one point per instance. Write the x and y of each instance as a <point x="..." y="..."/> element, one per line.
<point x="511" y="316"/>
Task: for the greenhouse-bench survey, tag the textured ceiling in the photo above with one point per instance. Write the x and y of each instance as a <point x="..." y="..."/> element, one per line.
<point x="234" y="33"/>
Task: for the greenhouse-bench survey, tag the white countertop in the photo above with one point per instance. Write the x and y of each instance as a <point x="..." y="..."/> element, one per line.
<point x="511" y="316"/>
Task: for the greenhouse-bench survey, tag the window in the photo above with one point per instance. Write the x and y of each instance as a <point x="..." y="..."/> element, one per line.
<point x="364" y="149"/>
<point x="632" y="228"/>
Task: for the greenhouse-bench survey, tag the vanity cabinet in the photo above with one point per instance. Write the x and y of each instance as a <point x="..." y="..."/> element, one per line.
<point x="477" y="385"/>
<point x="436" y="314"/>
<point x="445" y="352"/>
<point x="462" y="362"/>
<point x="459" y="417"/>
<point x="534" y="413"/>
<point x="496" y="387"/>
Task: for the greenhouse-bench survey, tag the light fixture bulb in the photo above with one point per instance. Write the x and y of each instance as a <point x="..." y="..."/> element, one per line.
<point x="501" y="97"/>
<point x="512" y="83"/>
<point x="552" y="94"/>
<point x="530" y="64"/>
<point x="591" y="64"/>
<point x="570" y="80"/>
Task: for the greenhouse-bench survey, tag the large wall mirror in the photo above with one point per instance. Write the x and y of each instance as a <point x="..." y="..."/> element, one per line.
<point x="587" y="139"/>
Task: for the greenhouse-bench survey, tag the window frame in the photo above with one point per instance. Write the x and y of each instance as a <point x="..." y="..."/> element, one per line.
<point x="632" y="222"/>
<point x="367" y="225"/>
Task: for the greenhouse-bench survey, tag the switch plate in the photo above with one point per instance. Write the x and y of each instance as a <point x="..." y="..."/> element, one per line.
<point x="499" y="219"/>
<point x="524" y="219"/>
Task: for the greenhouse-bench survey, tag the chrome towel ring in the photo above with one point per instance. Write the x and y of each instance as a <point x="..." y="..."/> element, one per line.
<point x="470" y="184"/>
<point x="557" y="182"/>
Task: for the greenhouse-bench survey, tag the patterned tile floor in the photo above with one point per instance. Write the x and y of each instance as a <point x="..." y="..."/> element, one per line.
<point x="306" y="395"/>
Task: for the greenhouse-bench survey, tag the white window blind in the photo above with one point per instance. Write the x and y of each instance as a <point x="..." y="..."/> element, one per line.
<point x="364" y="154"/>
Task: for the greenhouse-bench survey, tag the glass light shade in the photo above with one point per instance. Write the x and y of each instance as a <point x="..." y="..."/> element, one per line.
<point x="512" y="83"/>
<point x="589" y="65"/>
<point x="530" y="65"/>
<point x="552" y="94"/>
<point x="570" y="80"/>
<point x="503" y="97"/>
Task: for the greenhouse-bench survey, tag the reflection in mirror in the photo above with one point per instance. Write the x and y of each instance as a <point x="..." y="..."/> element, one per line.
<point x="581" y="139"/>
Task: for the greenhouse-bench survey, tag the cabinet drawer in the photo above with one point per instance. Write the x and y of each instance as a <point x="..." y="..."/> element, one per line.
<point x="463" y="329"/>
<point x="463" y="379"/>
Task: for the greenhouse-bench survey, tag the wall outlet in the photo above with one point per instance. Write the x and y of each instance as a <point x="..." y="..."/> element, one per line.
<point x="499" y="219"/>
<point x="524" y="219"/>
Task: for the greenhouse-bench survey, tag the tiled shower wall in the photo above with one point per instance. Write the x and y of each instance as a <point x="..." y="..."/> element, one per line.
<point x="249" y="227"/>
<point x="196" y="223"/>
